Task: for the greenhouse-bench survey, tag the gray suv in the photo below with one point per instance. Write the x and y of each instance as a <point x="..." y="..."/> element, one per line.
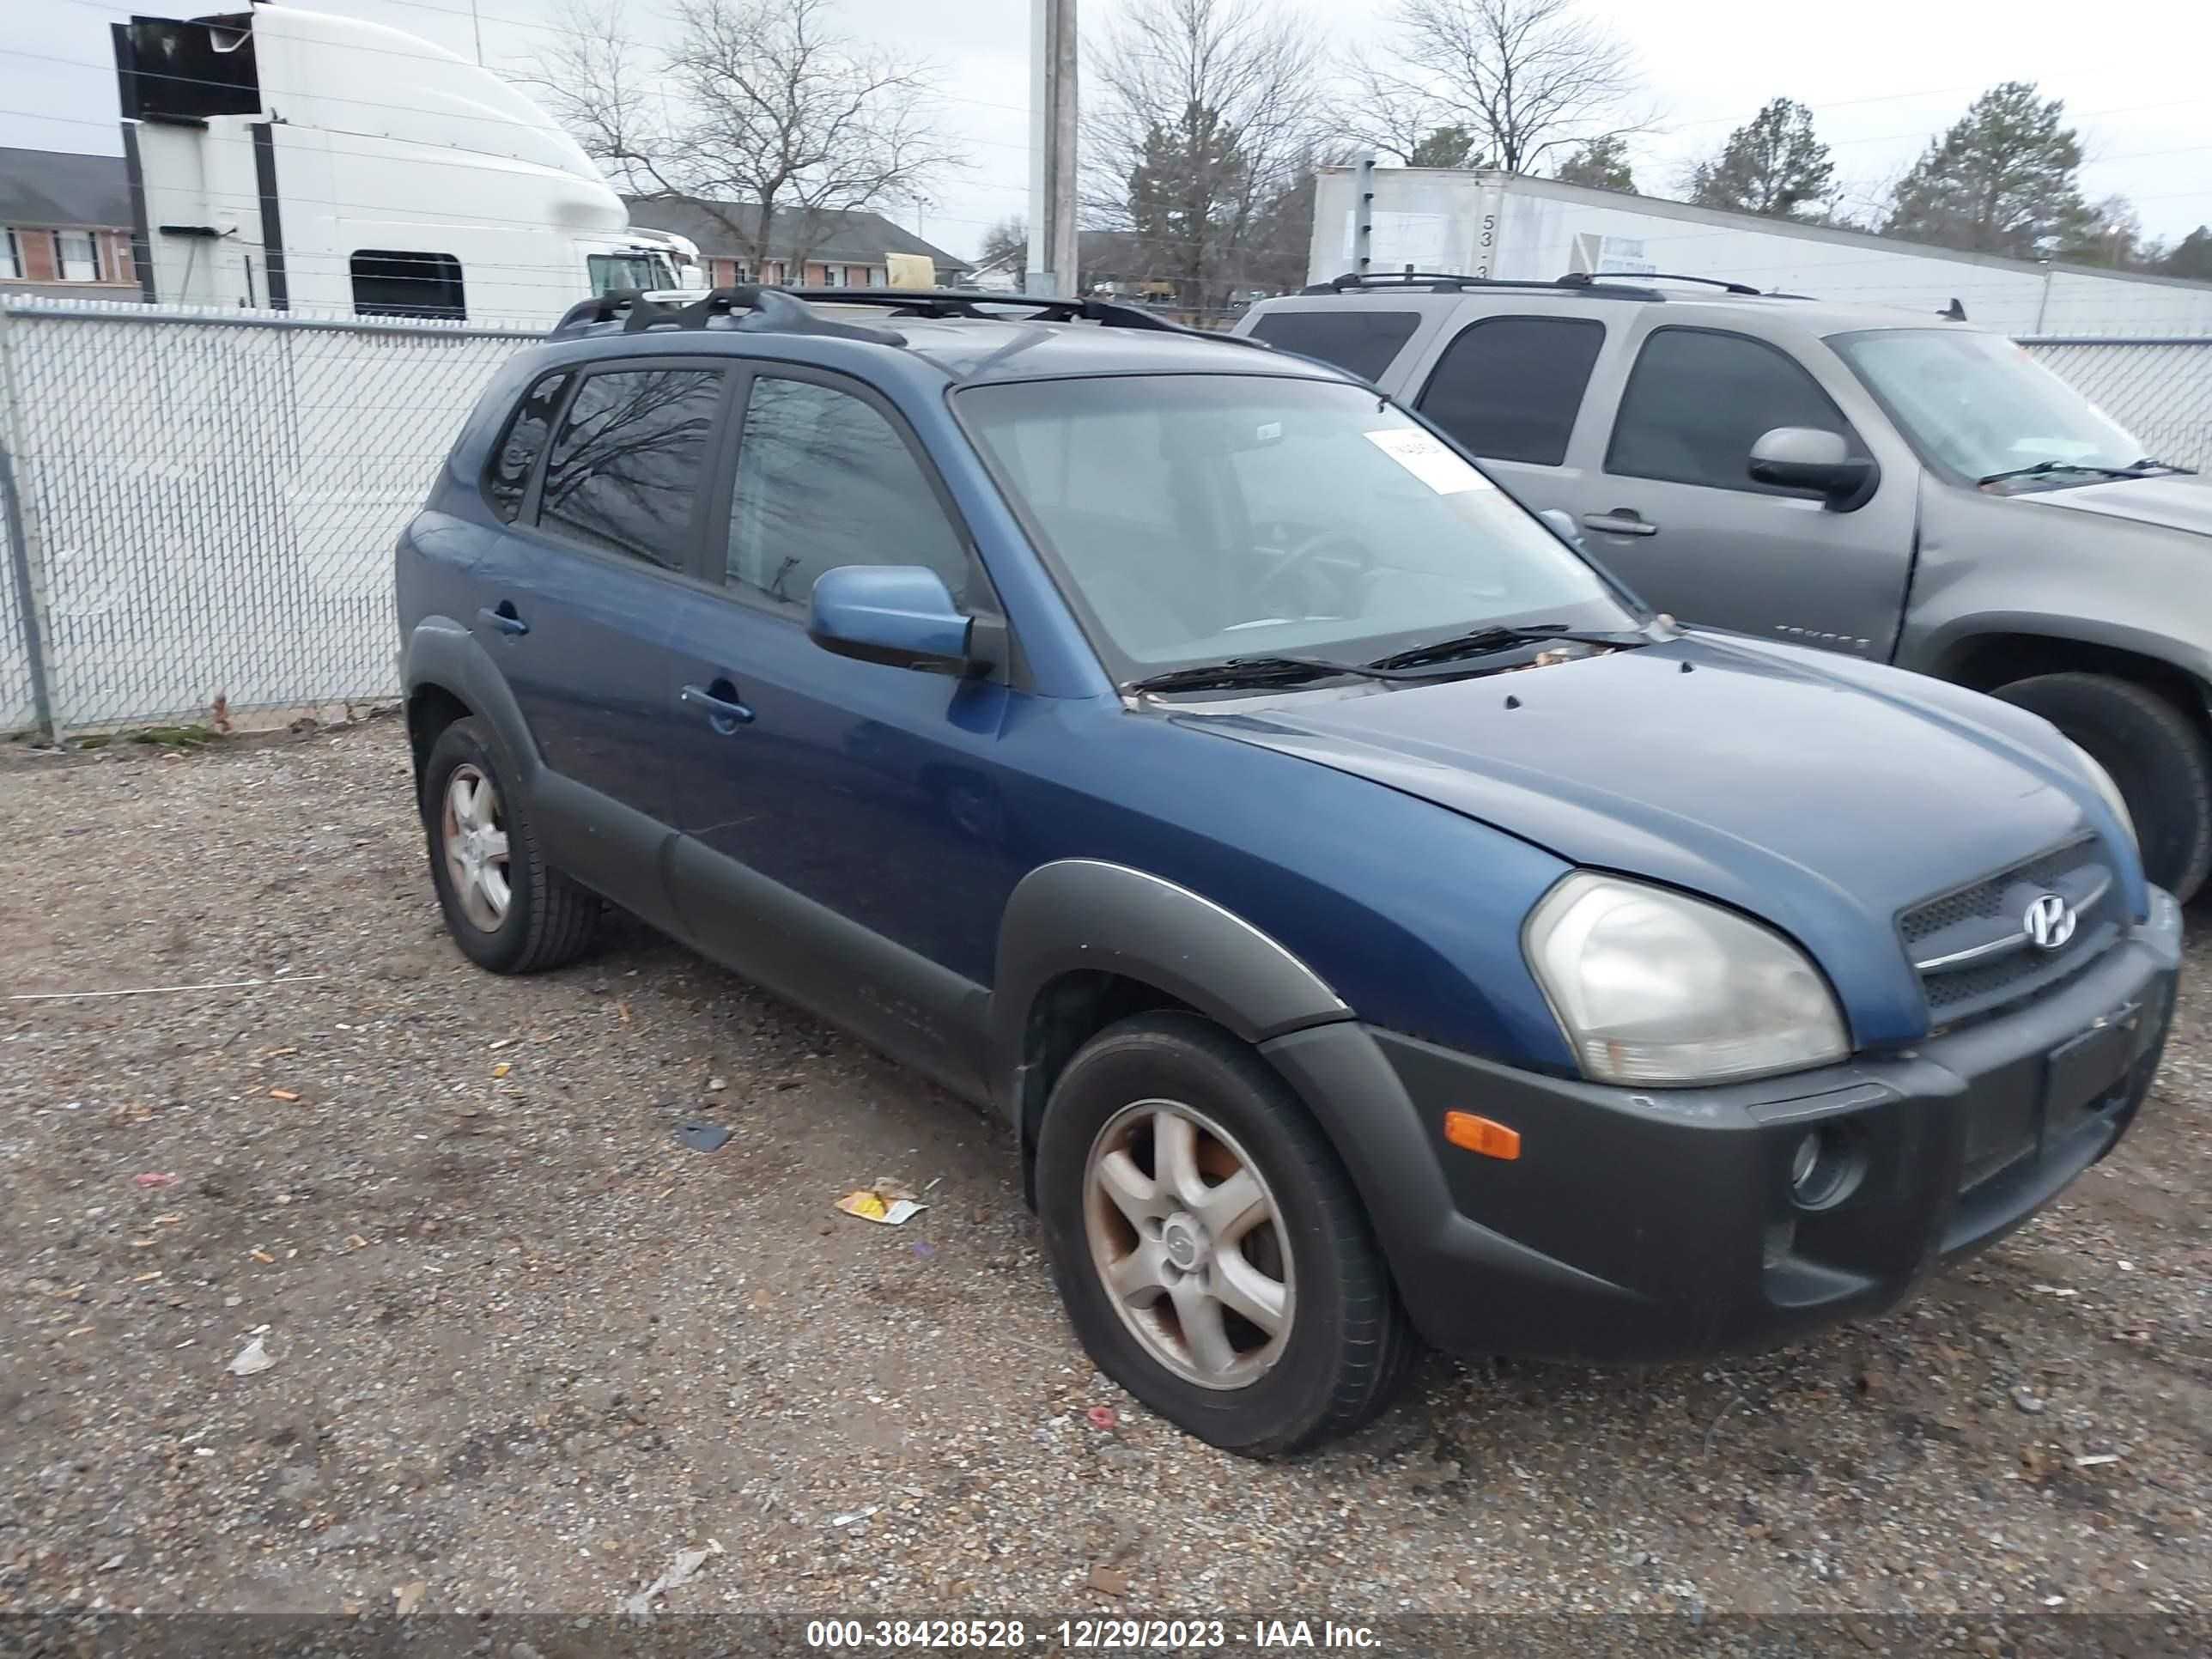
<point x="1902" y="489"/>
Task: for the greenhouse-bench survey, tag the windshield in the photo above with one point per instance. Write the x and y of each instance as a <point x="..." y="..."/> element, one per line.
<point x="612" y="271"/>
<point x="1979" y="404"/>
<point x="1195" y="518"/>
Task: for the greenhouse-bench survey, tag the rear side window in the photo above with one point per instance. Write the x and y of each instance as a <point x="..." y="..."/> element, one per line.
<point x="624" y="473"/>
<point x="507" y="479"/>
<point x="1700" y="399"/>
<point x="387" y="282"/>
<point x="824" y="480"/>
<point x="1351" y="337"/>
<point x="1509" y="388"/>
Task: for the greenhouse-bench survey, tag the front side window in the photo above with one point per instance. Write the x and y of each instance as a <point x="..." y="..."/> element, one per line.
<point x="824" y="479"/>
<point x="79" y="256"/>
<point x="1700" y="399"/>
<point x="1354" y="337"/>
<point x="1195" y="518"/>
<point x="1978" y="404"/>
<point x="512" y="462"/>
<point x="624" y="473"/>
<point x="387" y="282"/>
<point x="610" y="272"/>
<point x="1509" y="388"/>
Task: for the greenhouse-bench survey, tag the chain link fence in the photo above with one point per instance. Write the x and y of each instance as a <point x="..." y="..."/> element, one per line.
<point x="200" y="508"/>
<point x="2160" y="389"/>
<point x="205" y="505"/>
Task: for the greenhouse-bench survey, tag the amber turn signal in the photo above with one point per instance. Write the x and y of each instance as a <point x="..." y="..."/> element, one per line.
<point x="1480" y="1134"/>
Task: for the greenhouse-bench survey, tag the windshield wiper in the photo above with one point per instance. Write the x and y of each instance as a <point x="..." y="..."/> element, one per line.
<point x="1237" y="672"/>
<point x="1484" y="640"/>
<point x="2164" y="467"/>
<point x="2043" y="467"/>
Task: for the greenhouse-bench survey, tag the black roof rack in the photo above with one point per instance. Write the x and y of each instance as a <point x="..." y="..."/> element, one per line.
<point x="971" y="302"/>
<point x="763" y="309"/>
<point x="1441" y="282"/>
<point x="1588" y="279"/>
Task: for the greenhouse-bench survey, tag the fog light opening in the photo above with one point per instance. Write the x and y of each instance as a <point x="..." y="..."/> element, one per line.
<point x="1824" y="1167"/>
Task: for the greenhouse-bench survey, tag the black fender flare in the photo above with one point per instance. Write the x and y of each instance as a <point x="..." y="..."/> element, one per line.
<point x="1075" y="915"/>
<point x="442" y="653"/>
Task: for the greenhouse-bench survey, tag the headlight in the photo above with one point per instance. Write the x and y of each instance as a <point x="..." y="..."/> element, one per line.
<point x="2109" y="790"/>
<point x="1651" y="986"/>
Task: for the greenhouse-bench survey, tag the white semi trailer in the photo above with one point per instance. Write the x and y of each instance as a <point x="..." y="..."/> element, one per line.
<point x="291" y="159"/>
<point x="1493" y="224"/>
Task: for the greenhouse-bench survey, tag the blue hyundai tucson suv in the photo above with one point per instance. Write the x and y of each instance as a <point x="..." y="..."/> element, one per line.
<point x="1371" y="924"/>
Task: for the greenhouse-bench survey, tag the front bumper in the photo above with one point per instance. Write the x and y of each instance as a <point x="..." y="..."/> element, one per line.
<point x="1648" y="1224"/>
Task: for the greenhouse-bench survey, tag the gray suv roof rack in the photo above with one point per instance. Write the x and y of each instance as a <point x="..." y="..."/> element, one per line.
<point x="1441" y="282"/>
<point x="766" y="309"/>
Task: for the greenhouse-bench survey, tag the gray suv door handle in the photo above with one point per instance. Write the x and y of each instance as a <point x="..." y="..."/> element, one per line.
<point x="503" y="619"/>
<point x="1621" y="521"/>
<point x="725" y="715"/>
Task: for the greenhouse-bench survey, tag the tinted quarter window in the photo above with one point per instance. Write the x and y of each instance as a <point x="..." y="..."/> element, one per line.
<point x="1697" y="401"/>
<point x="508" y="476"/>
<point x="1509" y="388"/>
<point x="624" y="473"/>
<point x="824" y="480"/>
<point x="1351" y="337"/>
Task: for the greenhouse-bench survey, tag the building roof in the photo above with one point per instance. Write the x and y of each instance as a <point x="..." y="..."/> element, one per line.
<point x="856" y="238"/>
<point x="53" y="187"/>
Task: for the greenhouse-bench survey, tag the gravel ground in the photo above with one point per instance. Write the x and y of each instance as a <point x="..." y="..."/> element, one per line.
<point x="526" y="1347"/>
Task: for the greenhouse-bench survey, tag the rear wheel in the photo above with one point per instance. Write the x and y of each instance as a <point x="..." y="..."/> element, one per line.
<point x="2155" y="755"/>
<point x="1214" y="1257"/>
<point x="507" y="910"/>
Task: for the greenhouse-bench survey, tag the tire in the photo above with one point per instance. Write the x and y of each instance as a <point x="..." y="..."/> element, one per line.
<point x="2155" y="755"/>
<point x="1344" y="1346"/>
<point x="547" y="920"/>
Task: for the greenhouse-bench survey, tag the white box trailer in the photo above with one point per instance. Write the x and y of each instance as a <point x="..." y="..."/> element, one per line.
<point x="1502" y="225"/>
<point x="293" y="160"/>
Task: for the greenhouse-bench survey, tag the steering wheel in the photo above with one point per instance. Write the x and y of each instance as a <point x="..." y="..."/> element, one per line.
<point x="1310" y="557"/>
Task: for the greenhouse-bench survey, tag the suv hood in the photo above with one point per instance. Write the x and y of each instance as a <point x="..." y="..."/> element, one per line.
<point x="2171" y="503"/>
<point x="1816" y="801"/>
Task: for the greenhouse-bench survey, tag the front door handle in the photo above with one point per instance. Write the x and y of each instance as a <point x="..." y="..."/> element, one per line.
<point x="1621" y="521"/>
<point x="725" y="713"/>
<point x="503" y="619"/>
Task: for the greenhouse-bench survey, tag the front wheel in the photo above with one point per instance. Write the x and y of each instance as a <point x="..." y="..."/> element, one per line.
<point x="1214" y="1257"/>
<point x="2155" y="755"/>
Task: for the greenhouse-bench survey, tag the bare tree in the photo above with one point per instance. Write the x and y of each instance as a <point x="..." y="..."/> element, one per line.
<point x="1201" y="115"/>
<point x="756" y="103"/>
<point x="1524" y="78"/>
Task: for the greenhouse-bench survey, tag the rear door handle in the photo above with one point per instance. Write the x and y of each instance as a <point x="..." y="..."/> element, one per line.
<point x="503" y="619"/>
<point x="1621" y="521"/>
<point x="725" y="715"/>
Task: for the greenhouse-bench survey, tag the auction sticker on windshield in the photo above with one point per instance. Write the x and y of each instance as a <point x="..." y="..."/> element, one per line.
<point x="1428" y="460"/>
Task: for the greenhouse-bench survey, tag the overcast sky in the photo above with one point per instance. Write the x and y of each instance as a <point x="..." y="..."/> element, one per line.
<point x="1881" y="76"/>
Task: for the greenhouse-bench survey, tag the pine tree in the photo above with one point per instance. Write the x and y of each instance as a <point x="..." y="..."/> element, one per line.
<point x="2001" y="180"/>
<point x="1601" y="164"/>
<point x="1444" y="147"/>
<point x="2191" y="255"/>
<point x="1771" y="164"/>
<point x="1185" y="197"/>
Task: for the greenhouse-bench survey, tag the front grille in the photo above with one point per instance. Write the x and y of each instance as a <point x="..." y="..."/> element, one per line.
<point x="1981" y="927"/>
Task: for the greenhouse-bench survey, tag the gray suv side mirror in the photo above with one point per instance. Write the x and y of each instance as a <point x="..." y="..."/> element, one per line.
<point x="1806" y="458"/>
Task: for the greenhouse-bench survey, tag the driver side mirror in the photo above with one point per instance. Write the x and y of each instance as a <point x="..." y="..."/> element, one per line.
<point x="899" y="614"/>
<point x="1806" y="458"/>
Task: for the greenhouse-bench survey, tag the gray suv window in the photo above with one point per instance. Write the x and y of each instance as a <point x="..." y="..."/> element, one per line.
<point x="1698" y="398"/>
<point x="1510" y="387"/>
<point x="1352" y="337"/>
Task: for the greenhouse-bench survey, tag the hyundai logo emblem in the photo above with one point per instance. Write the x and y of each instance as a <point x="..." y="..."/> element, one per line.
<point x="2050" y="922"/>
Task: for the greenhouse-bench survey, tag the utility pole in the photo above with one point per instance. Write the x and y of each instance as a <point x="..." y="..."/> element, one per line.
<point x="1052" y="147"/>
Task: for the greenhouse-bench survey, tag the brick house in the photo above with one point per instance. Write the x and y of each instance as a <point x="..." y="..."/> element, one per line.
<point x="65" y="225"/>
<point x="846" y="250"/>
